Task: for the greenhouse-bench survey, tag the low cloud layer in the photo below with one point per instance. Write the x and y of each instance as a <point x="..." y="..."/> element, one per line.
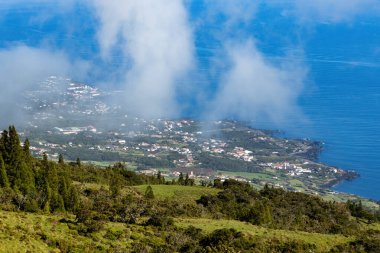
<point x="22" y="67"/>
<point x="254" y="89"/>
<point x="155" y="39"/>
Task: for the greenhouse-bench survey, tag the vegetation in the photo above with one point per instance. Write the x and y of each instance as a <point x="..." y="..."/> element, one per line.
<point x="114" y="209"/>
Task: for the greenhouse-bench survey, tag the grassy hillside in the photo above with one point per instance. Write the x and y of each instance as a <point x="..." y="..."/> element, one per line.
<point x="178" y="192"/>
<point x="26" y="232"/>
<point x="323" y="242"/>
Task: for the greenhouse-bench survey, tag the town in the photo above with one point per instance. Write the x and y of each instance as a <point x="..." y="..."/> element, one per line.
<point x="75" y="120"/>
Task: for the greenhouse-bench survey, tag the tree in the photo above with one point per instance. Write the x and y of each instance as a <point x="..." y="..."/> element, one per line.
<point x="149" y="192"/>
<point x="60" y="159"/>
<point x="26" y="149"/>
<point x="4" y="182"/>
<point x="180" y="179"/>
<point x="115" y="185"/>
<point x="160" y="178"/>
<point x="218" y="183"/>
<point x="78" y="162"/>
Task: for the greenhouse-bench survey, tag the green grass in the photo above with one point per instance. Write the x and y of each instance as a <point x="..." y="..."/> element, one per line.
<point x="248" y="175"/>
<point x="39" y="233"/>
<point x="182" y="193"/>
<point x="344" y="197"/>
<point x="27" y="232"/>
<point x="23" y="232"/>
<point x="323" y="242"/>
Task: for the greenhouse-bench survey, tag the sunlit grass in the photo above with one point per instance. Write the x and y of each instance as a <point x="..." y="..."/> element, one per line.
<point x="179" y="192"/>
<point x="323" y="242"/>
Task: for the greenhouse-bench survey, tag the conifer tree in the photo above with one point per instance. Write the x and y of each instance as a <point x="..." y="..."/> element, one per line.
<point x="26" y="149"/>
<point x="4" y="143"/>
<point x="60" y="159"/>
<point x="160" y="178"/>
<point x="180" y="179"/>
<point x="4" y="182"/>
<point x="78" y="162"/>
<point x="24" y="178"/>
<point x="73" y="203"/>
<point x="149" y="192"/>
<point x="115" y="185"/>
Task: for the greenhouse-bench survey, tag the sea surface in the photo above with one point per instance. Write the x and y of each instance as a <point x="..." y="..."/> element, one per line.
<point x="341" y="101"/>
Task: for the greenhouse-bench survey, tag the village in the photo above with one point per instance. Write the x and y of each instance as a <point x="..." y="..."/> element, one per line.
<point x="75" y="120"/>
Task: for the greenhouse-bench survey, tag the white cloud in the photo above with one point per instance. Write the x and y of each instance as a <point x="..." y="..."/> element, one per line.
<point x="252" y="88"/>
<point x="156" y="42"/>
<point x="22" y="67"/>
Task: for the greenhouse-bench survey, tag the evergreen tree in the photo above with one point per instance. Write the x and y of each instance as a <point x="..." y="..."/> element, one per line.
<point x="115" y="185"/>
<point x="73" y="203"/>
<point x="180" y="179"/>
<point x="13" y="156"/>
<point x="187" y="179"/>
<point x="78" y="162"/>
<point x="24" y="180"/>
<point x="149" y="192"/>
<point x="60" y="159"/>
<point x="160" y="178"/>
<point x="4" y="182"/>
<point x="26" y="149"/>
<point x="4" y="144"/>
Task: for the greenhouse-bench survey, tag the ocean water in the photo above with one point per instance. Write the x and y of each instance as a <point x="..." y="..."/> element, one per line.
<point x="342" y="102"/>
<point x="341" y="97"/>
<point x="344" y="111"/>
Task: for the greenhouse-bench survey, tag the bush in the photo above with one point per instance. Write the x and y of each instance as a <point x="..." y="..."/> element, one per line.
<point x="160" y="221"/>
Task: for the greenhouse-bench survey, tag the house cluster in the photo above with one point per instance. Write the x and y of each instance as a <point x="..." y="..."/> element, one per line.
<point x="75" y="130"/>
<point x="241" y="153"/>
<point x="213" y="146"/>
<point x="293" y="169"/>
<point x="193" y="174"/>
<point x="78" y="91"/>
<point x="223" y="178"/>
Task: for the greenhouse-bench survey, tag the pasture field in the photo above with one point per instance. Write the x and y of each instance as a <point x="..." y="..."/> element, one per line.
<point x="182" y="193"/>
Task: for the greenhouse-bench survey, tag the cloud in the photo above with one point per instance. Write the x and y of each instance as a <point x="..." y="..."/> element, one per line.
<point x="254" y="89"/>
<point x="333" y="11"/>
<point x="22" y="67"/>
<point x="250" y="87"/>
<point x="155" y="41"/>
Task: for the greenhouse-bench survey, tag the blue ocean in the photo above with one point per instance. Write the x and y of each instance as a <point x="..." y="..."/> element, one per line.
<point x="341" y="97"/>
<point x="342" y="102"/>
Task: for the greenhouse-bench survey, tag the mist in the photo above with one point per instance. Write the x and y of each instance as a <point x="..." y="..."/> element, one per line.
<point x="155" y="39"/>
<point x="255" y="89"/>
<point x="22" y="68"/>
